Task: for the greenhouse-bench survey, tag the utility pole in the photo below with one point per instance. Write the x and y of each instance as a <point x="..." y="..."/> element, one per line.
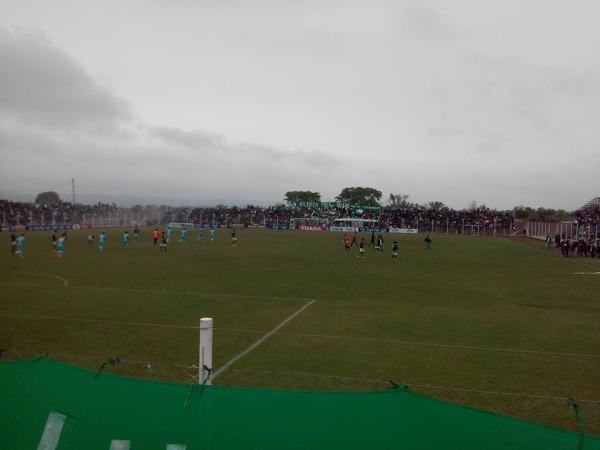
<point x="73" y="189"/>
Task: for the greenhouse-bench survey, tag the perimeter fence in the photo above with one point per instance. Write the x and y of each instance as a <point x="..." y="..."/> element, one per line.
<point x="567" y="412"/>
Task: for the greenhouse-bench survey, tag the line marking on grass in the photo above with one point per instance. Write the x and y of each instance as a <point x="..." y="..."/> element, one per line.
<point x="158" y="291"/>
<point x="237" y="357"/>
<point x="56" y="277"/>
<point x="123" y="322"/>
<point x="110" y="322"/>
<point x="435" y="344"/>
<point x="586" y="273"/>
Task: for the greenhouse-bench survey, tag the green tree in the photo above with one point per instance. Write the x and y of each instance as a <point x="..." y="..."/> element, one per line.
<point x="399" y="201"/>
<point x="437" y="206"/>
<point x="302" y="196"/>
<point x="364" y="196"/>
<point x="47" y="197"/>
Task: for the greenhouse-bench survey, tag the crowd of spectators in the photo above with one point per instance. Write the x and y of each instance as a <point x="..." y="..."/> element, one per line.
<point x="20" y="213"/>
<point x="411" y="216"/>
<point x="589" y="214"/>
<point x="416" y="216"/>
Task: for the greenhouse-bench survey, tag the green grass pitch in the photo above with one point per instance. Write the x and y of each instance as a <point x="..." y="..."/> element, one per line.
<point x="476" y="313"/>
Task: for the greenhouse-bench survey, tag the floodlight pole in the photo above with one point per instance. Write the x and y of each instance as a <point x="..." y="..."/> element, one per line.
<point x="205" y="363"/>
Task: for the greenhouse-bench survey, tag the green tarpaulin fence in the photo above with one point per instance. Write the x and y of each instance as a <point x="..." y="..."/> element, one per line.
<point x="45" y="404"/>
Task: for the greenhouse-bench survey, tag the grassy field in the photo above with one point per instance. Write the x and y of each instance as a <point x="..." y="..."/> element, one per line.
<point x="474" y="320"/>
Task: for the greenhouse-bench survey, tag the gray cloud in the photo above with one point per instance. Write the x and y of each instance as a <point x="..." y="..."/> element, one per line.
<point x="452" y="101"/>
<point x="50" y="106"/>
<point x="40" y="83"/>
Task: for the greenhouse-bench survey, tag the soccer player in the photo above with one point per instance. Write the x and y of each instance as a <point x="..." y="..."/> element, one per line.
<point x="155" y="235"/>
<point x="427" y="241"/>
<point x="212" y="233"/>
<point x="395" y="251"/>
<point x="372" y="241"/>
<point x="346" y="242"/>
<point x="183" y="236"/>
<point x="361" y="249"/>
<point x="136" y="232"/>
<point x="354" y="239"/>
<point x="125" y="239"/>
<point x="54" y="241"/>
<point x="233" y="238"/>
<point x="60" y="245"/>
<point x="90" y="240"/>
<point x="13" y="244"/>
<point x="163" y="245"/>
<point x="548" y="241"/>
<point x="379" y="243"/>
<point x="101" y="241"/>
<point x="168" y="234"/>
<point x="20" y="245"/>
<point x="200" y="235"/>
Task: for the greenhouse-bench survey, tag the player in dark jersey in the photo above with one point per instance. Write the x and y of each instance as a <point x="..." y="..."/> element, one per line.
<point x="372" y="241"/>
<point x="427" y="241"/>
<point x="361" y="249"/>
<point x="395" y="251"/>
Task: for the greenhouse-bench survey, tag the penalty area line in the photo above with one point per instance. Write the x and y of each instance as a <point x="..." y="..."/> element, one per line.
<point x="240" y="355"/>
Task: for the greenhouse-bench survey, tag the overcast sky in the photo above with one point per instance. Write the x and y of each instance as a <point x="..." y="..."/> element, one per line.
<point x="240" y="101"/>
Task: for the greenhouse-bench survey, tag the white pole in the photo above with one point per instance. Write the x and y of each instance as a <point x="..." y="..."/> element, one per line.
<point x="205" y="364"/>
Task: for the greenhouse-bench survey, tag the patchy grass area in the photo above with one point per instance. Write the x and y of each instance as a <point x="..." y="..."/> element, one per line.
<point x="474" y="313"/>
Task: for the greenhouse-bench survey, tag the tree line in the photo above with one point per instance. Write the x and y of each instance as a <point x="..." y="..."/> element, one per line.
<point x="368" y="196"/>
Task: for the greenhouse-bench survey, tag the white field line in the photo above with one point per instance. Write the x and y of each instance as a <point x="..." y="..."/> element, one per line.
<point x="110" y="322"/>
<point x="309" y="335"/>
<point x="160" y="291"/>
<point x="56" y="277"/>
<point x="123" y="322"/>
<point x="237" y="357"/>
<point x="436" y="344"/>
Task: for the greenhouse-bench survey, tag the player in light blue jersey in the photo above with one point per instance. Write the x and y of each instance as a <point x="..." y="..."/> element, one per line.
<point x="101" y="241"/>
<point x="212" y="233"/>
<point x="168" y="234"/>
<point x="60" y="246"/>
<point x="20" y="245"/>
<point x="125" y="239"/>
<point x="183" y="236"/>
